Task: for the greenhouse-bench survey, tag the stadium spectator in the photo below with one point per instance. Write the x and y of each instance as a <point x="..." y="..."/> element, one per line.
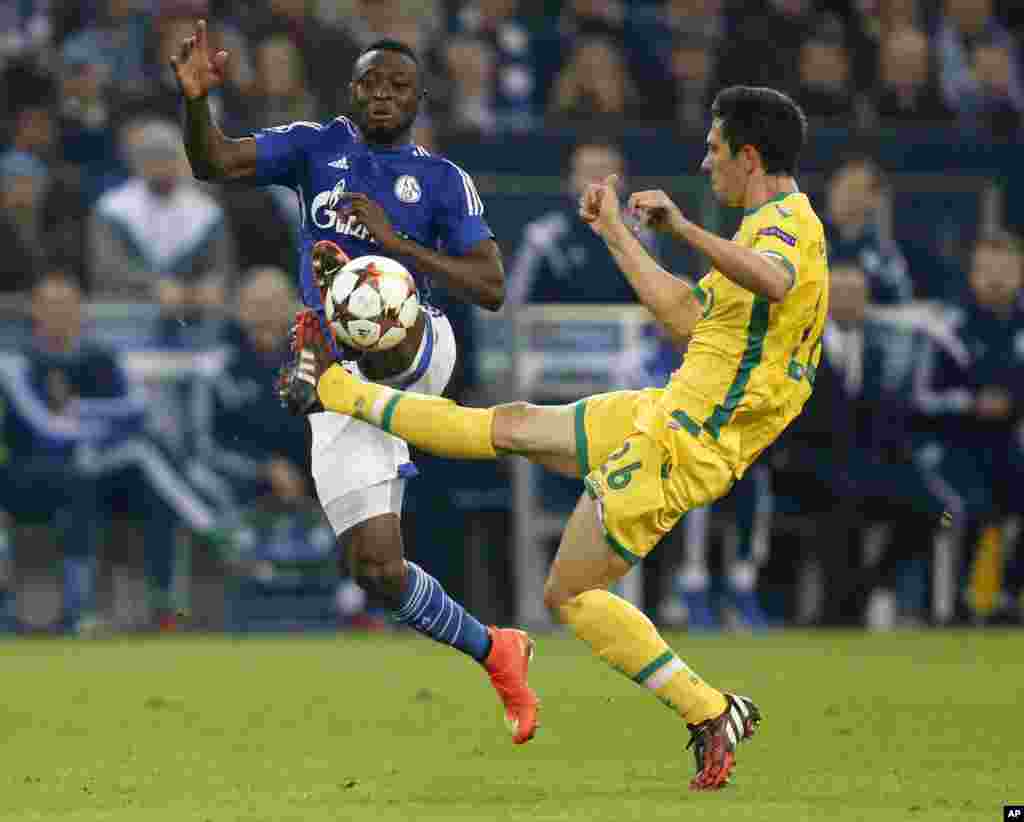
<point x="691" y="68"/>
<point x="868" y="24"/>
<point x="170" y="23"/>
<point x="76" y="449"/>
<point x="87" y="112"/>
<point x="593" y="18"/>
<point x="764" y="49"/>
<point x="23" y="181"/>
<point x="653" y="33"/>
<point x="278" y="93"/>
<point x="826" y="91"/>
<point x="964" y="27"/>
<point x="999" y="113"/>
<point x="595" y="86"/>
<point x="691" y="19"/>
<point x="321" y="45"/>
<point x="470" y="104"/>
<point x="906" y="93"/>
<point x="381" y="19"/>
<point x="969" y="392"/>
<point x="559" y="258"/>
<point x="25" y="30"/>
<point x="242" y="432"/>
<point x="512" y="78"/>
<point x="113" y="44"/>
<point x="159" y="236"/>
<point x="845" y="461"/>
<point x="34" y="130"/>
<point x="855" y="194"/>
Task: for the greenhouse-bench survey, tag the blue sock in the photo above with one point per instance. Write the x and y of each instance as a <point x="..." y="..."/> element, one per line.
<point x="426" y="608"/>
<point x="6" y="580"/>
<point x="78" y="581"/>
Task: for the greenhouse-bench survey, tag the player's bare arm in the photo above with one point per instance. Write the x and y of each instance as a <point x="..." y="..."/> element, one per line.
<point x="478" y="276"/>
<point x="750" y="269"/>
<point x="670" y="299"/>
<point x="212" y="155"/>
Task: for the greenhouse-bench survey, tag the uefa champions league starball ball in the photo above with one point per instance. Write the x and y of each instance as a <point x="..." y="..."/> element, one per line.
<point x="372" y="303"/>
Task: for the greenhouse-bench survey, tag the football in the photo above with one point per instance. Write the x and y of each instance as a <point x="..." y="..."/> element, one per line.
<point x="372" y="303"/>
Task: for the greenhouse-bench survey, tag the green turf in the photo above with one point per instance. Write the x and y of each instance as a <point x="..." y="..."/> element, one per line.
<point x="903" y="727"/>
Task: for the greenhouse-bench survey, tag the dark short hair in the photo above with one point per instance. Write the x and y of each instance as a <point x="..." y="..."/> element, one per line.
<point x="391" y="45"/>
<point x="1001" y="239"/>
<point x="763" y="118"/>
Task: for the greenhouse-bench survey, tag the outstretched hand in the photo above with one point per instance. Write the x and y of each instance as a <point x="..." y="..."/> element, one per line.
<point x="599" y="205"/>
<point x="198" y="71"/>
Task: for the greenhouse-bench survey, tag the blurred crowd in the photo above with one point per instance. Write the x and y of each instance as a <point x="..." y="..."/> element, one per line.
<point x="90" y="102"/>
<point x="97" y="204"/>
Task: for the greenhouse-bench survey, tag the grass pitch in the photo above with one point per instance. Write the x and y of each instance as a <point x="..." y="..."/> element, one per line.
<point x="194" y="729"/>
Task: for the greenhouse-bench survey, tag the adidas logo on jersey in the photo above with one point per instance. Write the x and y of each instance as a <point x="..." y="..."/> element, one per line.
<point x="341" y="163"/>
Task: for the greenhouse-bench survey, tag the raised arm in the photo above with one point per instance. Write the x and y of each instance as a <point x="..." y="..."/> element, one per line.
<point x="669" y="298"/>
<point x="212" y="155"/>
<point x="761" y="273"/>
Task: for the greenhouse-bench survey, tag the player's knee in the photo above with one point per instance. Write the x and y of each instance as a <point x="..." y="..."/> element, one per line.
<point x="511" y="431"/>
<point x="379" y="578"/>
<point x="555" y="597"/>
<point x="376" y="563"/>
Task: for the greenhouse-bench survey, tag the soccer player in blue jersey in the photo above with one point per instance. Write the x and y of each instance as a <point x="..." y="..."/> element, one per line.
<point x="365" y="188"/>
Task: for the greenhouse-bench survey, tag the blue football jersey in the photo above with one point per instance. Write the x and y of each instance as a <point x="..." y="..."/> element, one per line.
<point x="427" y="198"/>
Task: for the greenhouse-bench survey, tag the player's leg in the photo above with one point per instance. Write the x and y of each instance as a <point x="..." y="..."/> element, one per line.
<point x="629" y="506"/>
<point x="548" y="434"/>
<point x="693" y="580"/>
<point x="354" y="466"/>
<point x="76" y="499"/>
<point x="958" y="481"/>
<point x="163" y="491"/>
<point x="8" y="618"/>
<point x="752" y="496"/>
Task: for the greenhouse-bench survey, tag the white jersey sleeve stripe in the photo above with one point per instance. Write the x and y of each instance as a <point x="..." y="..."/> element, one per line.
<point x="472" y="190"/>
<point x="348" y="125"/>
<point x="474" y="205"/>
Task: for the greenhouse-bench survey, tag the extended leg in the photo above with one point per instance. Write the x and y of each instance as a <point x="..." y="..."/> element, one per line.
<point x="441" y="427"/>
<point x="616" y="630"/>
<point x="627" y="640"/>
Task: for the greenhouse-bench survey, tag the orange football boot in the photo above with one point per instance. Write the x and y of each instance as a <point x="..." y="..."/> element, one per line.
<point x="508" y="664"/>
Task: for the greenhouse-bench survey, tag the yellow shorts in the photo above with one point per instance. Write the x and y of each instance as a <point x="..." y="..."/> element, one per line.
<point x="643" y="468"/>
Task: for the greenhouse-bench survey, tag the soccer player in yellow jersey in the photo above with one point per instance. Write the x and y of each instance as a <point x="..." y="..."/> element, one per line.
<point x="753" y="326"/>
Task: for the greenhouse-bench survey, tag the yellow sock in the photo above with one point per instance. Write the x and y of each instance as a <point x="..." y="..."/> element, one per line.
<point x="986" y="581"/>
<point x="433" y="424"/>
<point x="628" y="641"/>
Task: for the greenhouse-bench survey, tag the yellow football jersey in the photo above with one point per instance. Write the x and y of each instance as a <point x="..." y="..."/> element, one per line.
<point x="750" y="364"/>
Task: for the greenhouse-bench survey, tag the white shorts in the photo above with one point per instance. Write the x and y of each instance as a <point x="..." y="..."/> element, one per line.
<point x="359" y="470"/>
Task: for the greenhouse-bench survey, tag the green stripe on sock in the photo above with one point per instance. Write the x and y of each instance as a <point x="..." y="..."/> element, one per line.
<point x="389" y="411"/>
<point x="582" y="457"/>
<point x="652" y="668"/>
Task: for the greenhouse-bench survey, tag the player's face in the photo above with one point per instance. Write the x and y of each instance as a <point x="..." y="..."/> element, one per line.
<point x="997" y="275"/>
<point x="386" y="94"/>
<point x="727" y="171"/>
